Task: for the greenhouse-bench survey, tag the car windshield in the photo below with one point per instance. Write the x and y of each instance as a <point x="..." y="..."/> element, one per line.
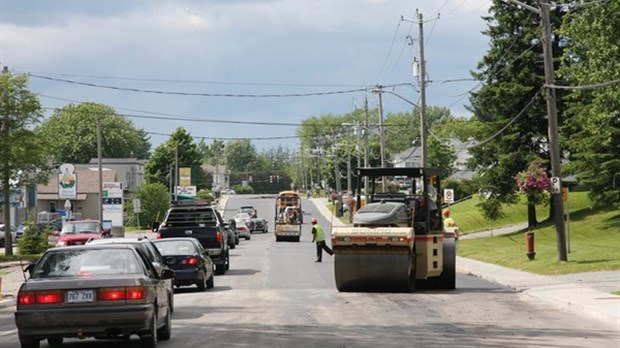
<point x="242" y="216"/>
<point x="82" y="262"/>
<point x="175" y="247"/>
<point x="81" y="227"/>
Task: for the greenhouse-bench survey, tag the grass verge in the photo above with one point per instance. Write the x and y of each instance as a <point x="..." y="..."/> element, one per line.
<point x="593" y="237"/>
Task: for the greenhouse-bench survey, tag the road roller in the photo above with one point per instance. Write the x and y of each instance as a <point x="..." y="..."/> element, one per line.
<point x="397" y="242"/>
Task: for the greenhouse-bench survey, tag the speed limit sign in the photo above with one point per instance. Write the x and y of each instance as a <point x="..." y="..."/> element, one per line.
<point x="448" y="195"/>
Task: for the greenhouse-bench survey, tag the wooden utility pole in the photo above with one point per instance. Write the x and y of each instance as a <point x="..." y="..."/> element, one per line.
<point x="423" y="131"/>
<point x="6" y="172"/>
<point x="552" y="116"/>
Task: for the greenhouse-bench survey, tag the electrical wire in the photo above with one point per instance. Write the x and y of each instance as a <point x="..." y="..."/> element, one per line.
<point x="586" y="87"/>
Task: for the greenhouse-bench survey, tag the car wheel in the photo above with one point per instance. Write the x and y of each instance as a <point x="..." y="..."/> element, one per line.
<point x="220" y="269"/>
<point x="236" y="239"/>
<point x="2" y="242"/>
<point x="28" y="342"/>
<point x="165" y="331"/>
<point x="247" y="237"/>
<point x="54" y="341"/>
<point x="227" y="261"/>
<point x="148" y="339"/>
<point x="202" y="282"/>
<point x="210" y="282"/>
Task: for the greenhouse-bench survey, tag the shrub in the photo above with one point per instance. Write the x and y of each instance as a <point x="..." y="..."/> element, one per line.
<point x="33" y="241"/>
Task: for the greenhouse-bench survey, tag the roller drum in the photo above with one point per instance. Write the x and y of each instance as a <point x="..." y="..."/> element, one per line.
<point x="374" y="272"/>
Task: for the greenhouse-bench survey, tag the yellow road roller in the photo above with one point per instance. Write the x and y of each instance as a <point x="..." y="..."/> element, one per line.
<point x="397" y="241"/>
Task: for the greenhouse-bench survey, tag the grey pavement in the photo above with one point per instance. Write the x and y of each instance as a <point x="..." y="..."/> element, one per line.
<point x="585" y="294"/>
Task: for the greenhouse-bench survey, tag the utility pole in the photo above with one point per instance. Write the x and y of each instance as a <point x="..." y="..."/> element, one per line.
<point x="6" y="172"/>
<point x="176" y="171"/>
<point x="366" y="165"/>
<point x="552" y="116"/>
<point x="422" y="92"/>
<point x="381" y="134"/>
<point x="99" y="167"/>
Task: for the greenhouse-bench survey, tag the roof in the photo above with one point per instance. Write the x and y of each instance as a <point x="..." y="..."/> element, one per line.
<point x="87" y="180"/>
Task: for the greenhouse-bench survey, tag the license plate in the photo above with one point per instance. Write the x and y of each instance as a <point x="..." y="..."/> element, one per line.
<point x="80" y="296"/>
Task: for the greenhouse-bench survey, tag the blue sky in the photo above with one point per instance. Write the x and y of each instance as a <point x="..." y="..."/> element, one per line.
<point x="194" y="51"/>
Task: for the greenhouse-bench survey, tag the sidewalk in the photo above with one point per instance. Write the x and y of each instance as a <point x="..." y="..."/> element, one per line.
<point x="585" y="294"/>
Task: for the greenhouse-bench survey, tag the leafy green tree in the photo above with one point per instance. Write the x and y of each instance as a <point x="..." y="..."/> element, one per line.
<point x="154" y="201"/>
<point x="161" y="165"/>
<point x="240" y="155"/>
<point x="74" y="130"/>
<point x="23" y="154"/>
<point x="511" y="75"/>
<point x="591" y="134"/>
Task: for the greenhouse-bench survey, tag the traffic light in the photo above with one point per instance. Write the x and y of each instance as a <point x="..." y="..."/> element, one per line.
<point x="277" y="178"/>
<point x="271" y="179"/>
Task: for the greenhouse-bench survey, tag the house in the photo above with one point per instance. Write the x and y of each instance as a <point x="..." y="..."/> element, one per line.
<point x="412" y="157"/>
<point x="128" y="171"/>
<point x="220" y="175"/>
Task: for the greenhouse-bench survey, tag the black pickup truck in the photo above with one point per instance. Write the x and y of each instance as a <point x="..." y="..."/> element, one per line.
<point x="200" y="221"/>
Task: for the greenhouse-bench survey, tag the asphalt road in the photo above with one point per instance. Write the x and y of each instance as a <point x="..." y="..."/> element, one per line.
<point x="275" y="295"/>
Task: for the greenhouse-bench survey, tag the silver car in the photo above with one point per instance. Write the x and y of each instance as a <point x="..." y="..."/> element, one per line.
<point x="101" y="291"/>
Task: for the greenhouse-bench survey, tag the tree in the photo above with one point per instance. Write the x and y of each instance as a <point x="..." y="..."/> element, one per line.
<point x="154" y="202"/>
<point x="592" y="135"/>
<point x="511" y="75"/>
<point x="23" y="158"/>
<point x="160" y="166"/>
<point x="240" y="155"/>
<point x="74" y="130"/>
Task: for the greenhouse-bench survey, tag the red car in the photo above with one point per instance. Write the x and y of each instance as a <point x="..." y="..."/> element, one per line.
<point x="79" y="232"/>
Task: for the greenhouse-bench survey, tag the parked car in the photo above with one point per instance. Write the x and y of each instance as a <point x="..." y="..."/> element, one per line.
<point x="229" y="192"/>
<point x="151" y="252"/>
<point x="2" y="235"/>
<point x="101" y="291"/>
<point x="79" y="232"/>
<point x="189" y="260"/>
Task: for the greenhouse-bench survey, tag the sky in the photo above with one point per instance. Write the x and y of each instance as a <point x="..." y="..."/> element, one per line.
<point x="233" y="69"/>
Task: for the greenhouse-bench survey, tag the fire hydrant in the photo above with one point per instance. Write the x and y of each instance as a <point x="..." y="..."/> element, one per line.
<point x="529" y="243"/>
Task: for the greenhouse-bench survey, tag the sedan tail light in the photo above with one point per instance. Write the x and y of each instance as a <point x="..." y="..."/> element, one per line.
<point x="218" y="237"/>
<point x="40" y="297"/>
<point x="190" y="261"/>
<point x="115" y="294"/>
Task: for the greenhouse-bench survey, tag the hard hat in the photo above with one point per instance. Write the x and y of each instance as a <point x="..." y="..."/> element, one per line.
<point x="313" y="220"/>
<point x="446" y="212"/>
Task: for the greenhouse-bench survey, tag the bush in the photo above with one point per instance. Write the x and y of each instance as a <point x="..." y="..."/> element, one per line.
<point x="240" y="189"/>
<point x="33" y="241"/>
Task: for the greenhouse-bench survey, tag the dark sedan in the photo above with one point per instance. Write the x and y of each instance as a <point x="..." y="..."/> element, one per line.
<point x="258" y="224"/>
<point x="101" y="291"/>
<point x="189" y="261"/>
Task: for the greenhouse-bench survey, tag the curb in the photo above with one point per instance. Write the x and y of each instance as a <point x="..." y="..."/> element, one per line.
<point x="569" y="297"/>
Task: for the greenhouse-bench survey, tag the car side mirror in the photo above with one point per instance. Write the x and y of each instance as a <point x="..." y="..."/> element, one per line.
<point x="167" y="274"/>
<point x="155" y="226"/>
<point x="29" y="269"/>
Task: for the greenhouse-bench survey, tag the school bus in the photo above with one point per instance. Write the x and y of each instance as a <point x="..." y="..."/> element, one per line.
<point x="289" y="218"/>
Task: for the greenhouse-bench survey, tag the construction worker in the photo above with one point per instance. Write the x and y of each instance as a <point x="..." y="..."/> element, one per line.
<point x="447" y="220"/>
<point x="318" y="236"/>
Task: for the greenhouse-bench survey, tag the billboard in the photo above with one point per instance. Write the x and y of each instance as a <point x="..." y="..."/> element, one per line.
<point x="67" y="182"/>
<point x="185" y="176"/>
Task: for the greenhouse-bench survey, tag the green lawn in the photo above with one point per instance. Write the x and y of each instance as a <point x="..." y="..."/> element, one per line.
<point x="594" y="237"/>
<point x="469" y="219"/>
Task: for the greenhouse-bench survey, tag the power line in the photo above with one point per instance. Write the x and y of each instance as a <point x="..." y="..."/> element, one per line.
<point x="585" y="87"/>
<point x="230" y="95"/>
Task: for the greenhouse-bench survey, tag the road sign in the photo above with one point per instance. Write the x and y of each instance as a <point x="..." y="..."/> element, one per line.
<point x="137" y="207"/>
<point x="448" y="195"/>
<point x="556" y="185"/>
